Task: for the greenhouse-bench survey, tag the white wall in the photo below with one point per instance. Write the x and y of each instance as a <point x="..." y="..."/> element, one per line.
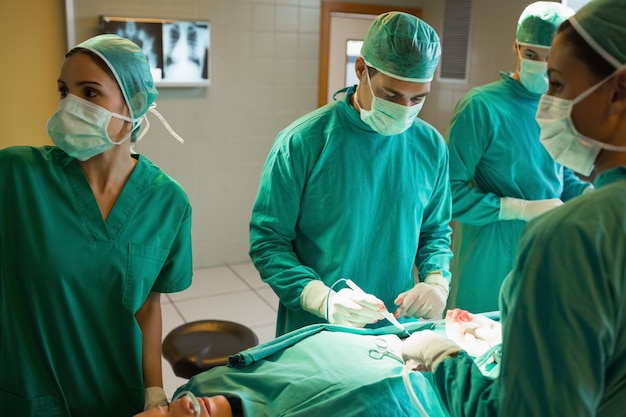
<point x="264" y="64"/>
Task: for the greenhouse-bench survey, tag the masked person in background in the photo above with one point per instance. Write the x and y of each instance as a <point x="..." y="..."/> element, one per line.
<point x="359" y="189"/>
<point x="90" y="236"/>
<point x="500" y="174"/>
<point x="562" y="307"/>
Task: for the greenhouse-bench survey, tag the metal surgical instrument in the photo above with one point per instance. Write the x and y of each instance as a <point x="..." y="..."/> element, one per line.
<point x="382" y="349"/>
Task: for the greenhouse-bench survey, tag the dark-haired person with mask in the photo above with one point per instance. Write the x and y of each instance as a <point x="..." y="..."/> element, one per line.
<point x="562" y="307"/>
<point x="90" y="235"/>
<point x="358" y="189"/>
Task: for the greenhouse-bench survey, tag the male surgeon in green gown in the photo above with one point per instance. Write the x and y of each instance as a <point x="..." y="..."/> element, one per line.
<point x="359" y="189"/>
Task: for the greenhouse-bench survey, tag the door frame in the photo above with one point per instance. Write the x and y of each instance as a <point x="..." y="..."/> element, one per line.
<point x="330" y="7"/>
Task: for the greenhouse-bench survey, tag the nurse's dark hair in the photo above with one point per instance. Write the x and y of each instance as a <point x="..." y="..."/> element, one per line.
<point x="598" y="66"/>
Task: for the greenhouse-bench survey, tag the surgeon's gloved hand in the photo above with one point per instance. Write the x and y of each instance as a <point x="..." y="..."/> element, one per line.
<point x="518" y="209"/>
<point x="154" y="396"/>
<point x="426" y="299"/>
<point x="427" y="349"/>
<point x="352" y="308"/>
<point x="346" y="307"/>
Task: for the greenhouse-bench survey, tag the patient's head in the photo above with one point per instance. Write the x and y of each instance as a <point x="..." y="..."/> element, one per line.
<point x="217" y="406"/>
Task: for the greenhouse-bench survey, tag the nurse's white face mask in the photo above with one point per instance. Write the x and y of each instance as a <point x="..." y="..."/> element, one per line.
<point x="79" y="128"/>
<point x="559" y="136"/>
<point x="386" y="117"/>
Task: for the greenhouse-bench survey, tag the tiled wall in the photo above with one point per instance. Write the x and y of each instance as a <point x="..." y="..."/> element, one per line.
<point x="264" y="58"/>
<point x="264" y="70"/>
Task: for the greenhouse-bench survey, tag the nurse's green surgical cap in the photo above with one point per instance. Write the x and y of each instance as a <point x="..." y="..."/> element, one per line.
<point x="402" y="46"/>
<point x="130" y="68"/>
<point x="602" y="23"/>
<point x="539" y="21"/>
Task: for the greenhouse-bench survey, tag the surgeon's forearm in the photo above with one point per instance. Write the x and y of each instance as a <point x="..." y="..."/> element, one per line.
<point x="149" y="320"/>
<point x="273" y="256"/>
<point x="434" y="252"/>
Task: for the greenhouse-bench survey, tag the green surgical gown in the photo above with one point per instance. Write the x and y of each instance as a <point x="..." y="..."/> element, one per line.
<point x="338" y="200"/>
<point x="495" y="152"/>
<point x="318" y="371"/>
<point x="563" y="318"/>
<point x="71" y="283"/>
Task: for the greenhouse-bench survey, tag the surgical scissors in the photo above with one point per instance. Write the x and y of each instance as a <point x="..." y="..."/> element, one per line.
<point x="382" y="349"/>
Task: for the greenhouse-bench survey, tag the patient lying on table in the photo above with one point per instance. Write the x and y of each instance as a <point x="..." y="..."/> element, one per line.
<point x="317" y="370"/>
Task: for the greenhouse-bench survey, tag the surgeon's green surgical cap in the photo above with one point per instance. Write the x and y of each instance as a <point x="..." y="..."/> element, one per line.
<point x="602" y="23"/>
<point x="402" y="46"/>
<point x="539" y="21"/>
<point x="130" y="67"/>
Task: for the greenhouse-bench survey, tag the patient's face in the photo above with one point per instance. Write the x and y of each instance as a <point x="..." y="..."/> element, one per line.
<point x="217" y="406"/>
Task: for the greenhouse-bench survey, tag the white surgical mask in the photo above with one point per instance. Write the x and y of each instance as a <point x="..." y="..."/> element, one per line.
<point x="559" y="136"/>
<point x="534" y="75"/>
<point x="386" y="117"/>
<point x="79" y="128"/>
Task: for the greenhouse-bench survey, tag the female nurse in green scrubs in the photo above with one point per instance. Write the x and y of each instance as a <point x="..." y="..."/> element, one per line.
<point x="90" y="235"/>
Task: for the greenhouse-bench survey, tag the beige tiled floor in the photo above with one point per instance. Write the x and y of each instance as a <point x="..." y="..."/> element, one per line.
<point x="229" y="292"/>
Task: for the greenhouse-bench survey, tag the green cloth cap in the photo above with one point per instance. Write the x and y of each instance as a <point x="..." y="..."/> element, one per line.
<point x="539" y="21"/>
<point x="402" y="46"/>
<point x="130" y="68"/>
<point x="602" y="23"/>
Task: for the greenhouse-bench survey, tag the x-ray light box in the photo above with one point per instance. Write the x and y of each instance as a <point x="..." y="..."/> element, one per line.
<point x="177" y="50"/>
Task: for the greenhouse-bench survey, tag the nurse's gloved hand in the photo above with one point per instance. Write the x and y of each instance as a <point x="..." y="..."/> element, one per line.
<point x="518" y="209"/>
<point x="346" y="307"/>
<point x="426" y="299"/>
<point x="427" y="349"/>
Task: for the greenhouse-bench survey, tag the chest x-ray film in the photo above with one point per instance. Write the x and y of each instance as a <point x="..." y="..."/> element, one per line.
<point x="177" y="50"/>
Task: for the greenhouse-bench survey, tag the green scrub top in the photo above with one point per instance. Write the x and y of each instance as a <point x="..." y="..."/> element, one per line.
<point x="495" y="152"/>
<point x="338" y="200"/>
<point x="71" y="283"/>
<point x="563" y="321"/>
<point x="318" y="370"/>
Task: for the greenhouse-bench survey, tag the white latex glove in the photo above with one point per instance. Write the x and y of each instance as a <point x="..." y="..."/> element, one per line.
<point x="426" y="299"/>
<point x="154" y="396"/>
<point x="346" y="307"/>
<point x="427" y="349"/>
<point x="518" y="209"/>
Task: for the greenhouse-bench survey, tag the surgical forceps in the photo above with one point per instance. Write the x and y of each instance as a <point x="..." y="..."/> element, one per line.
<point x="382" y="349"/>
